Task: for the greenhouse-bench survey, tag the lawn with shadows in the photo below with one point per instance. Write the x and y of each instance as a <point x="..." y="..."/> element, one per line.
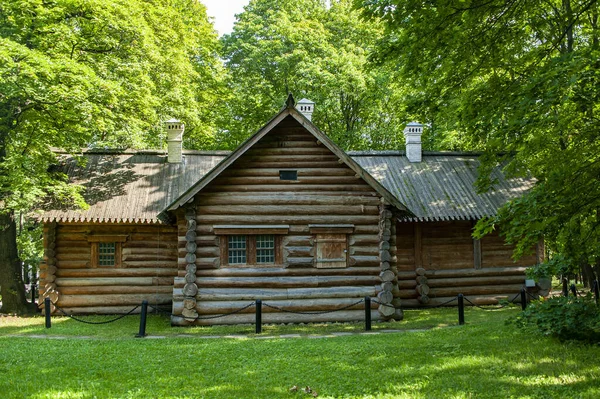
<point x="486" y="358"/>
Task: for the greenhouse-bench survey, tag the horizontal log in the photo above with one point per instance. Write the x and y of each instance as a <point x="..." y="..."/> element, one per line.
<point x="275" y="180"/>
<point x="283" y="282"/>
<point x="299" y="262"/>
<point x="166" y="258"/>
<point x="294" y="188"/>
<point x="492" y="271"/>
<point x="296" y="305"/>
<point x="286" y="219"/>
<point x="476" y="290"/>
<point x="64" y="255"/>
<point x="72" y="264"/>
<point x="119" y="289"/>
<point x="242" y="294"/>
<point x="305" y="252"/>
<point x="364" y="260"/>
<point x="274" y="199"/>
<point x="116" y="272"/>
<point x="167" y="242"/>
<point x="277" y="271"/>
<point x="126" y="251"/>
<point x="112" y="300"/>
<point x="473" y="281"/>
<point x="127" y="281"/>
<point x="340" y="316"/>
<point x="287" y="209"/>
<point x="166" y="264"/>
<point x="341" y="171"/>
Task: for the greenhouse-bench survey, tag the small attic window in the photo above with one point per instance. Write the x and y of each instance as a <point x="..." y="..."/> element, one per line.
<point x="288" y="175"/>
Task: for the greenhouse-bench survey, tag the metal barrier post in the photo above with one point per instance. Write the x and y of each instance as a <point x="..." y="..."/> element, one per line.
<point x="461" y="309"/>
<point x="574" y="290"/>
<point x="258" y="316"/>
<point x="523" y="299"/>
<point x="565" y="287"/>
<point x="47" y="312"/>
<point x="143" y="316"/>
<point x="367" y="313"/>
<point x="597" y="291"/>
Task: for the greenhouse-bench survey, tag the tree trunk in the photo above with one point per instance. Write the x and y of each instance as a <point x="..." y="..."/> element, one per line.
<point x="12" y="289"/>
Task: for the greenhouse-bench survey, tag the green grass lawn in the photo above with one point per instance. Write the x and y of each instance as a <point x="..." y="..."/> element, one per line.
<point x="486" y="358"/>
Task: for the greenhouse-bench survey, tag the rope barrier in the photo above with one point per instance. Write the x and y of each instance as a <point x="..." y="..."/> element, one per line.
<point x="442" y="304"/>
<point x="321" y="312"/>
<point x="202" y="317"/>
<point x="494" y="308"/>
<point x="385" y="304"/>
<point x="96" y="322"/>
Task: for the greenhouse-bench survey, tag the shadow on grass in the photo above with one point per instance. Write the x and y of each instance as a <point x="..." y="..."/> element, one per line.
<point x="485" y="359"/>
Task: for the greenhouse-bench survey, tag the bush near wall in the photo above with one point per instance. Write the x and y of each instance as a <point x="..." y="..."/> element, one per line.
<point x="566" y="318"/>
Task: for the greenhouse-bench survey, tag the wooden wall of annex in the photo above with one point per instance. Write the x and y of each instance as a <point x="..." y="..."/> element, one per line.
<point x="439" y="260"/>
<point x="250" y="192"/>
<point x="148" y="266"/>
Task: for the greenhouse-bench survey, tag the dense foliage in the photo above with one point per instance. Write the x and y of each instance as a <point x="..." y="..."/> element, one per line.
<point x="566" y="318"/>
<point x="314" y="51"/>
<point x="520" y="79"/>
<point x="78" y="73"/>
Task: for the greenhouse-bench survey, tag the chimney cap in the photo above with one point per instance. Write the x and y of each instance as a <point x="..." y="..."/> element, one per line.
<point x="414" y="124"/>
<point x="305" y="101"/>
<point x="172" y="120"/>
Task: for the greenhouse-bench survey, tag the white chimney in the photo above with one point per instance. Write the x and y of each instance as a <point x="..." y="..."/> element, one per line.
<point x="412" y="136"/>
<point x="306" y="108"/>
<point x="175" y="130"/>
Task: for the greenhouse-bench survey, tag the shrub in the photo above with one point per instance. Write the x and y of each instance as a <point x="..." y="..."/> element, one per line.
<point x="565" y="318"/>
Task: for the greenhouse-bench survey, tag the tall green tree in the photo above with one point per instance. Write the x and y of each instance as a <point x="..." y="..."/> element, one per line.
<point x="314" y="49"/>
<point x="519" y="78"/>
<point x="77" y="73"/>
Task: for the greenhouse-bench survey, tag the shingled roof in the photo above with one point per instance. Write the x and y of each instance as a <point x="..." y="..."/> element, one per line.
<point x="441" y="186"/>
<point x="130" y="186"/>
<point x="134" y="187"/>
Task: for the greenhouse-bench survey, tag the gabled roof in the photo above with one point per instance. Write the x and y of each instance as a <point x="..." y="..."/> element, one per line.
<point x="134" y="187"/>
<point x="288" y="110"/>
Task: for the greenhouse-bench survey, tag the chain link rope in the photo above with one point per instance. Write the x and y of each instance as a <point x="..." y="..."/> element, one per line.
<point x="494" y="308"/>
<point x="167" y="312"/>
<point x="314" y="313"/>
<point x="96" y="322"/>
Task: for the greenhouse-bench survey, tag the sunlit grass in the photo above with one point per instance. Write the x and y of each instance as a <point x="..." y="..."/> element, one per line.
<point x="159" y="325"/>
<point x="486" y="358"/>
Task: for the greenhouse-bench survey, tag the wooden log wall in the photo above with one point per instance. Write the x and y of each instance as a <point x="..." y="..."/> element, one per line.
<point x="250" y="192"/>
<point x="439" y="260"/>
<point x="148" y="267"/>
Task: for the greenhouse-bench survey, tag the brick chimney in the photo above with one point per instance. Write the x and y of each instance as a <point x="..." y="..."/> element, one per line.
<point x="306" y="108"/>
<point x="175" y="130"/>
<point x="412" y="136"/>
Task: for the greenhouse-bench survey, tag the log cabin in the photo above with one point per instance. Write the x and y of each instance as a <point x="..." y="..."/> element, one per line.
<point x="289" y="218"/>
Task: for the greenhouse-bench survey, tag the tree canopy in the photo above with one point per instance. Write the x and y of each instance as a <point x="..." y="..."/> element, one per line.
<point x="77" y="73"/>
<point x="515" y="78"/>
<point x="317" y="51"/>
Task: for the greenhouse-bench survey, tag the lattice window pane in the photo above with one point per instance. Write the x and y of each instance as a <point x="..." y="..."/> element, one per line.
<point x="236" y="249"/>
<point x="106" y="253"/>
<point x="265" y="249"/>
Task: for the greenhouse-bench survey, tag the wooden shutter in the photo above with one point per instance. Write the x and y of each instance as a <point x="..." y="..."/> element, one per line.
<point x="332" y="250"/>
